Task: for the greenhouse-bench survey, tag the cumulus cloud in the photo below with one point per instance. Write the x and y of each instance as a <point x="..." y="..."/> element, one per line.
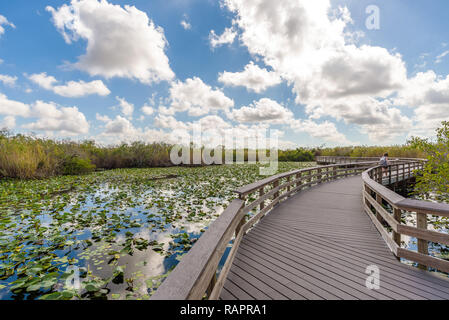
<point x="147" y="110"/>
<point x="8" y="80"/>
<point x="428" y="95"/>
<point x="13" y="108"/>
<point x="127" y="108"/>
<point x="325" y="130"/>
<point x="263" y="110"/>
<point x="227" y="37"/>
<point x="72" y="89"/>
<point x="75" y="89"/>
<point x="8" y="122"/>
<point x="43" y="80"/>
<point x="252" y="78"/>
<point x="197" y="98"/>
<point x="121" y="42"/>
<point x="65" y="120"/>
<point x="5" y="22"/>
<point x="49" y="116"/>
<point x="311" y="49"/>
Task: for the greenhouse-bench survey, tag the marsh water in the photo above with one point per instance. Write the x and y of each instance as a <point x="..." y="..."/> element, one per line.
<point x="109" y="235"/>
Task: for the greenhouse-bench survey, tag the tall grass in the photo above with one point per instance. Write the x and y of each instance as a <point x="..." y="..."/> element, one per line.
<point x="27" y="157"/>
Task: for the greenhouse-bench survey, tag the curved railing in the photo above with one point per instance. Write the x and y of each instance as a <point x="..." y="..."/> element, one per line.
<point x="195" y="277"/>
<point x="375" y="198"/>
<point x="341" y="160"/>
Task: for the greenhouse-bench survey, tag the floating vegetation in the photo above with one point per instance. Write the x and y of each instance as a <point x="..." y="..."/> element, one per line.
<point x="111" y="234"/>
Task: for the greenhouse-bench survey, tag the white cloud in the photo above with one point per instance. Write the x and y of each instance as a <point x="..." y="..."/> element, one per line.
<point x="43" y="80"/>
<point x="263" y="110"/>
<point x="196" y="97"/>
<point x="428" y="95"/>
<point x="186" y="25"/>
<point x="147" y="110"/>
<point x="312" y="50"/>
<point x="13" y="108"/>
<point x="49" y="116"/>
<point x="169" y="122"/>
<point x="102" y="118"/>
<point x="439" y="58"/>
<point x="80" y="89"/>
<point x="121" y="42"/>
<point x="65" y="120"/>
<point x="71" y="89"/>
<point x="119" y="125"/>
<point x="252" y="77"/>
<point x="5" y="22"/>
<point x="325" y="130"/>
<point x="8" y="122"/>
<point x="127" y="108"/>
<point x="227" y="37"/>
<point x="8" y="80"/>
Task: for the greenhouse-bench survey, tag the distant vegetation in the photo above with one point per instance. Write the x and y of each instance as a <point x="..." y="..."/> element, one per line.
<point x="28" y="157"/>
<point x="402" y="151"/>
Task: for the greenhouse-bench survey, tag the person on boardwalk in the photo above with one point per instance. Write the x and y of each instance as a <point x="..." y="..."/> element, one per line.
<point x="384" y="163"/>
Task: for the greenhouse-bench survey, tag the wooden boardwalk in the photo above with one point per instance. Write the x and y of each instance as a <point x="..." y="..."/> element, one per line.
<point x="317" y="245"/>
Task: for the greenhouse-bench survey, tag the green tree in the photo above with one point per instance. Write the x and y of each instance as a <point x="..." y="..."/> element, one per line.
<point x="434" y="177"/>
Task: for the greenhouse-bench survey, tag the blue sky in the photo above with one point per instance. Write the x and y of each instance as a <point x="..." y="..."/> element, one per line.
<point x="317" y="76"/>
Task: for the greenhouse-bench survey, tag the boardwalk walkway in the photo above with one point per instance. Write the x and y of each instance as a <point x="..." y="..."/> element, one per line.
<point x="317" y="245"/>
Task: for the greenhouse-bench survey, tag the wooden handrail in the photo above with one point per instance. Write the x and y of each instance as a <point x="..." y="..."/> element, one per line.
<point x="195" y="276"/>
<point x="375" y="193"/>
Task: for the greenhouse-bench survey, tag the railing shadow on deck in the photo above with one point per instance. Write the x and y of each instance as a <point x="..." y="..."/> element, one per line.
<point x="195" y="277"/>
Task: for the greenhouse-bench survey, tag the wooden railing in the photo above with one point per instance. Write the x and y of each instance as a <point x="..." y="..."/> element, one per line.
<point x="375" y="199"/>
<point x="341" y="160"/>
<point x="195" y="277"/>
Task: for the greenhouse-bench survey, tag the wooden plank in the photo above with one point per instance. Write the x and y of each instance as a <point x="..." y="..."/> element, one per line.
<point x="421" y="280"/>
<point x="391" y="288"/>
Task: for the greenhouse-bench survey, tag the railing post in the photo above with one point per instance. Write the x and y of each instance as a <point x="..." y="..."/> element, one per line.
<point x="275" y="185"/>
<point x="298" y="175"/>
<point x="389" y="175"/>
<point x="261" y="193"/>
<point x="211" y="286"/>
<point x="379" y="201"/>
<point x="423" y="246"/>
<point x="319" y="175"/>
<point x="289" y="187"/>
<point x="397" y="217"/>
<point x="243" y="221"/>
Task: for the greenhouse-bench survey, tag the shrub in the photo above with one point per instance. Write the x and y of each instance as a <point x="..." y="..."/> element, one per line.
<point x="74" y="165"/>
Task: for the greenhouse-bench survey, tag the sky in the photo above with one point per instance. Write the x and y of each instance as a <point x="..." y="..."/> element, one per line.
<point x="341" y="72"/>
